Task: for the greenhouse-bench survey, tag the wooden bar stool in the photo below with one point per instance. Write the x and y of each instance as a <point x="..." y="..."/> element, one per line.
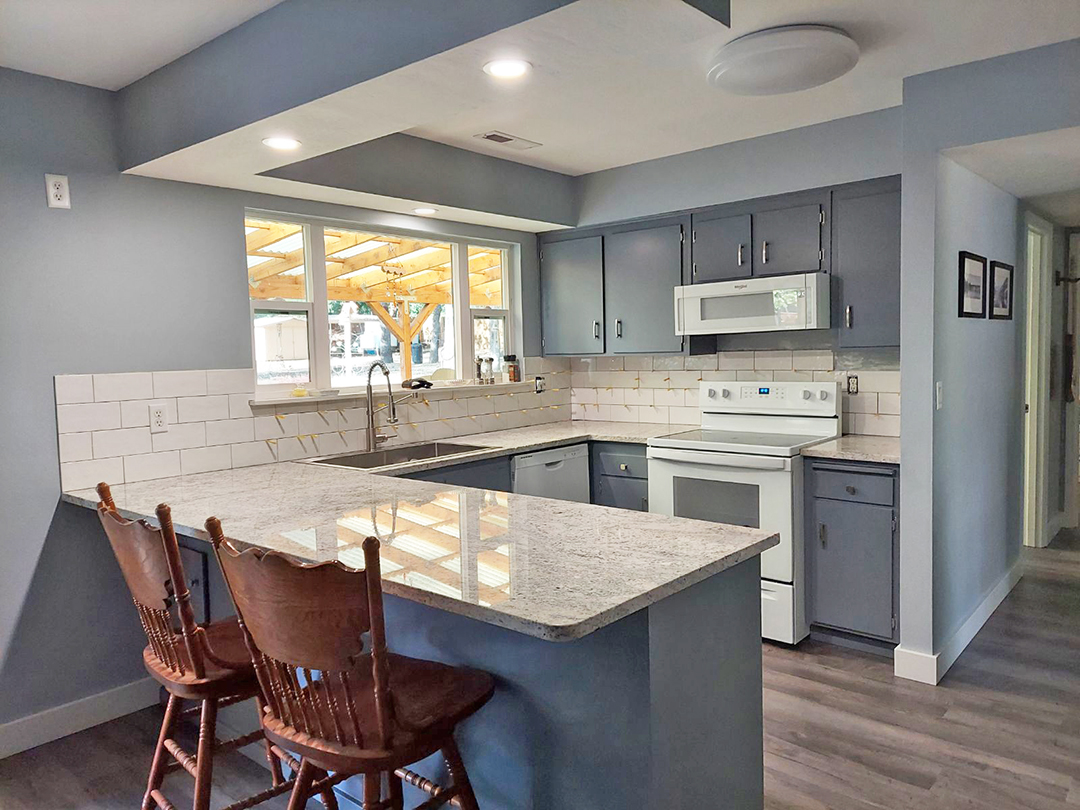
<point x="208" y="664"/>
<point x="344" y="709"/>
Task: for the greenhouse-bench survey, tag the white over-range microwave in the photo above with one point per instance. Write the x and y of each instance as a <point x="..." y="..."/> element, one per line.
<point x="768" y="304"/>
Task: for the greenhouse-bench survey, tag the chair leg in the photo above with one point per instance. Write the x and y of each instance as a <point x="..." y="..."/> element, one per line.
<point x="329" y="798"/>
<point x="161" y="756"/>
<point x="302" y="786"/>
<point x="372" y="791"/>
<point x="459" y="775"/>
<point x="205" y="757"/>
<point x="276" y="775"/>
<point x="397" y="797"/>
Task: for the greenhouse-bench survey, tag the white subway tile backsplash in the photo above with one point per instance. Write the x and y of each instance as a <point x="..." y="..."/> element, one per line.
<point x="668" y="362"/>
<point x="669" y="396"/>
<point x="87" y="416"/>
<point x="72" y="389"/>
<point x="276" y="427"/>
<point x="873" y="424"/>
<point x="764" y="360"/>
<point x="151" y="466"/>
<point x="702" y="362"/>
<point x="202" y="409"/>
<point x="636" y="396"/>
<point x="88" y="474"/>
<point x="230" y="381"/>
<point x="124" y="442"/>
<point x="793" y="376"/>
<point x="250" y="454"/>
<point x="315" y="422"/>
<point x="886" y="381"/>
<point x="205" y="459"/>
<point x="754" y="376"/>
<point x="735" y="360"/>
<point x="638" y="363"/>
<point x="179" y="384"/>
<point x="861" y="403"/>
<point x="889" y="403"/>
<point x="239" y="407"/>
<point x="812" y="360"/>
<point x="115" y="387"/>
<point x="453" y="408"/>
<point x="230" y="431"/>
<point x="76" y="446"/>
<point x="180" y="437"/>
<point x="684" y="416"/>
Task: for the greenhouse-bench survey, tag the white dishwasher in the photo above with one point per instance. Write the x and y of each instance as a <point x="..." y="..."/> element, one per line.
<point x="561" y="473"/>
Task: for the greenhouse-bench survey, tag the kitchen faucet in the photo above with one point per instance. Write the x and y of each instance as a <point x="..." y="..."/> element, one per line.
<point x="373" y="436"/>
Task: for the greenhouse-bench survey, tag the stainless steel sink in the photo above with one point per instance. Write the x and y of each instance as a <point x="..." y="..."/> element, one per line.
<point x="398" y="455"/>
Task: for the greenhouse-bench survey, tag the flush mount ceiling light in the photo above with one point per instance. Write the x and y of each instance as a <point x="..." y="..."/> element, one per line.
<point x="281" y="143"/>
<point x="507" y="68"/>
<point x="423" y="211"/>
<point x="783" y="60"/>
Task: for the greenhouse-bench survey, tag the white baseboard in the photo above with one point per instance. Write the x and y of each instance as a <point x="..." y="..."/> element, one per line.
<point x="60" y="721"/>
<point x="931" y="668"/>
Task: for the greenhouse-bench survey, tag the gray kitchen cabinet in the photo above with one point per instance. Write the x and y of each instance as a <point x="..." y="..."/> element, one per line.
<point x="572" y="296"/>
<point x="488" y="473"/>
<point x="722" y="248"/>
<point x="620" y="476"/>
<point x="851" y="551"/>
<point x="788" y="240"/>
<point x="642" y="267"/>
<point x="866" y="264"/>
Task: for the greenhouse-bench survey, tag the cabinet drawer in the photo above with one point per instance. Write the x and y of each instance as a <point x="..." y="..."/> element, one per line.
<point x="625" y="493"/>
<point x="626" y="461"/>
<point x="849" y="484"/>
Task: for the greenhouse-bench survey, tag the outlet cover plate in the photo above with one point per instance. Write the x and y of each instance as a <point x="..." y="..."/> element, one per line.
<point x="58" y="193"/>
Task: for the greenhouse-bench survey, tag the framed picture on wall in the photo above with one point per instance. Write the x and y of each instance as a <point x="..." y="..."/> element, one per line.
<point x="972" y="285"/>
<point x="1001" y="291"/>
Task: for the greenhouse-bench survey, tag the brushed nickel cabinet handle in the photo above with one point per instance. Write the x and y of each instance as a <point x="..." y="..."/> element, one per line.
<point x="764" y="252"/>
<point x="822" y="536"/>
<point x="847" y="316"/>
<point x="850" y="490"/>
<point x="596" y="329"/>
<point x="740" y="255"/>
<point x="618" y="328"/>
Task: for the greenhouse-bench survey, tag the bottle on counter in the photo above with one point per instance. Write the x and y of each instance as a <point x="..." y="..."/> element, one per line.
<point x="513" y="368"/>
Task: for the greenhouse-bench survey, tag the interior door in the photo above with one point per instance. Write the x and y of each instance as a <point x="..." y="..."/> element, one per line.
<point x="721" y="249"/>
<point x="642" y="268"/>
<point x="572" y="296"/>
<point x="787" y="240"/>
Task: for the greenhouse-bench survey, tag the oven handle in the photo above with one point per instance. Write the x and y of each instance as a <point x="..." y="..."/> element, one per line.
<point x="718" y="459"/>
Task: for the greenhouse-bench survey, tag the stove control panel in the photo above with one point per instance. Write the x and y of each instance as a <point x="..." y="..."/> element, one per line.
<point x="818" y="399"/>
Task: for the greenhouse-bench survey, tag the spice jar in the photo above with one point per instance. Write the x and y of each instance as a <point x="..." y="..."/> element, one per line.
<point x="513" y="368"/>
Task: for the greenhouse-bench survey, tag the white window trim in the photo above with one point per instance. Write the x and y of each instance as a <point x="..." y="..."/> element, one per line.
<point x="317" y="309"/>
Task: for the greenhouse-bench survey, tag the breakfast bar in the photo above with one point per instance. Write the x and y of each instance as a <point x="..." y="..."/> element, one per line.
<point x="625" y="646"/>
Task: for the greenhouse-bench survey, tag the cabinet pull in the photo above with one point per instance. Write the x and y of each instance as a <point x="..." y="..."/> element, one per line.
<point x="644" y="504"/>
<point x="695" y="269"/>
<point x="596" y="329"/>
<point x="847" y="316"/>
<point x="618" y="328"/>
<point x="740" y="255"/>
<point x="622" y="467"/>
<point x="850" y="489"/>
<point x="764" y="252"/>
<point x="822" y="535"/>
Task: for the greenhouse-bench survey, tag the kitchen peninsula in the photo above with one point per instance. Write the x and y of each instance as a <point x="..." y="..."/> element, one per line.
<point x="626" y="646"/>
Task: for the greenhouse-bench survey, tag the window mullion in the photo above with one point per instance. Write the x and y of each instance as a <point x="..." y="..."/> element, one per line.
<point x="320" y="317"/>
<point x="459" y="257"/>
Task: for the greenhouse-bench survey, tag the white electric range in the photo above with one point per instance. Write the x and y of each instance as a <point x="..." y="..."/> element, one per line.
<point x="743" y="467"/>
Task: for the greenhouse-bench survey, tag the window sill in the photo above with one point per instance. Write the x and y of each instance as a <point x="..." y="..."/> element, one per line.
<point x="468" y="388"/>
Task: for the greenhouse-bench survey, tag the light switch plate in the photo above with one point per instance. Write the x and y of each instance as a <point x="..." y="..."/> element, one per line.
<point x="57" y="191"/>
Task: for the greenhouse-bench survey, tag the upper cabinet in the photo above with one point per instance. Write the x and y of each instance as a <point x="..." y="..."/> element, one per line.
<point x="866" y="264"/>
<point x="643" y="267"/>
<point x="788" y="240"/>
<point x="572" y="296"/>
<point x="722" y="248"/>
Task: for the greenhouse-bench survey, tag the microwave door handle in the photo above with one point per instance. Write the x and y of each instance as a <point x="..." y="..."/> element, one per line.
<point x="717" y="459"/>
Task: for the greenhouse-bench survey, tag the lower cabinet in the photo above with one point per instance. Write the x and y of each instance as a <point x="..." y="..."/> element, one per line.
<point x="620" y="475"/>
<point x="851" y="549"/>
<point x="488" y="473"/>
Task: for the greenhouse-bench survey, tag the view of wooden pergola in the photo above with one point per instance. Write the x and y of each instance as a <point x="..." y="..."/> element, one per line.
<point x="385" y="272"/>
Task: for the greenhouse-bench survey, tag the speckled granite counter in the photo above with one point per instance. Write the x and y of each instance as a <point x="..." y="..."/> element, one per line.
<point x="879" y="449"/>
<point x="554" y="569"/>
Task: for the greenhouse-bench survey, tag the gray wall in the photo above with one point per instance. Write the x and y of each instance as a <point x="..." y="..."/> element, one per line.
<point x="103" y="287"/>
<point x="841" y="151"/>
<point x="978" y="435"/>
<point x="1018" y="94"/>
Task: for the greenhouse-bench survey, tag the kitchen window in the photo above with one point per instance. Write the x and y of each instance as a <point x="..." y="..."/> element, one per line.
<point x="328" y="300"/>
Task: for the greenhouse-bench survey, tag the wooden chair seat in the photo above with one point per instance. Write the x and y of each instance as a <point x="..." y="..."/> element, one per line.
<point x="218" y="680"/>
<point x="430" y="699"/>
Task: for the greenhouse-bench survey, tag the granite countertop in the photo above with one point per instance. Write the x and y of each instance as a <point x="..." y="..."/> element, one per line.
<point x="556" y="570"/>
<point x="880" y="449"/>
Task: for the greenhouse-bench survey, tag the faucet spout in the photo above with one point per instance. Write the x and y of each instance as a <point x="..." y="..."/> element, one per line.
<point x="373" y="437"/>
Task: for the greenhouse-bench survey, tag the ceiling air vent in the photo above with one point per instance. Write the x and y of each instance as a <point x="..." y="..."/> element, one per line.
<point x="509" y="141"/>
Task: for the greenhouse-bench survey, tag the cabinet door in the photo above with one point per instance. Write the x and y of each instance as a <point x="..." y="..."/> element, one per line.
<point x="642" y="270"/>
<point x="721" y="249"/>
<point x="850" y="562"/>
<point x="866" y="263"/>
<point x="787" y="240"/>
<point x="572" y="296"/>
<point x="624" y="493"/>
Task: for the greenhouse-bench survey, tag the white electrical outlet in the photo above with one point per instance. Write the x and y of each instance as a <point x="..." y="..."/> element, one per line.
<point x="159" y="419"/>
<point x="56" y="187"/>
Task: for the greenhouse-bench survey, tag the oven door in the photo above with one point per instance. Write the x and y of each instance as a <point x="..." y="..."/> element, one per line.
<point x="742" y="490"/>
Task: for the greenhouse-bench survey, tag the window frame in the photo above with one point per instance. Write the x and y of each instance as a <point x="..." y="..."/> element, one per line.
<point x="317" y="309"/>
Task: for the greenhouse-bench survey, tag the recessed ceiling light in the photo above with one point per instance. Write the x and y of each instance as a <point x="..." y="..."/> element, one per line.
<point x="507" y="68"/>
<point x="281" y="143"/>
<point x="425" y="211"/>
<point x="783" y="60"/>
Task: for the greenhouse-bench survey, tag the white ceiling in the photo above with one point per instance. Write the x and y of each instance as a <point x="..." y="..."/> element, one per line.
<point x="1043" y="169"/>
<point x="111" y="43"/>
<point x="621" y="81"/>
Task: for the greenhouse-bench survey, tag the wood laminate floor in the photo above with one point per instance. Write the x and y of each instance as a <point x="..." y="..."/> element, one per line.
<point x="1001" y="732"/>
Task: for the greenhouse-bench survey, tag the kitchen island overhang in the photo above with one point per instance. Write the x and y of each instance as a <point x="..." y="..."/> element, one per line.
<point x="626" y="645"/>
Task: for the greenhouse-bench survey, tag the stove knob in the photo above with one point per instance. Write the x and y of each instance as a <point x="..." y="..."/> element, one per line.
<point x="806" y="393"/>
<point x="725" y="393"/>
<point x="711" y="393"/>
<point x="823" y="395"/>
